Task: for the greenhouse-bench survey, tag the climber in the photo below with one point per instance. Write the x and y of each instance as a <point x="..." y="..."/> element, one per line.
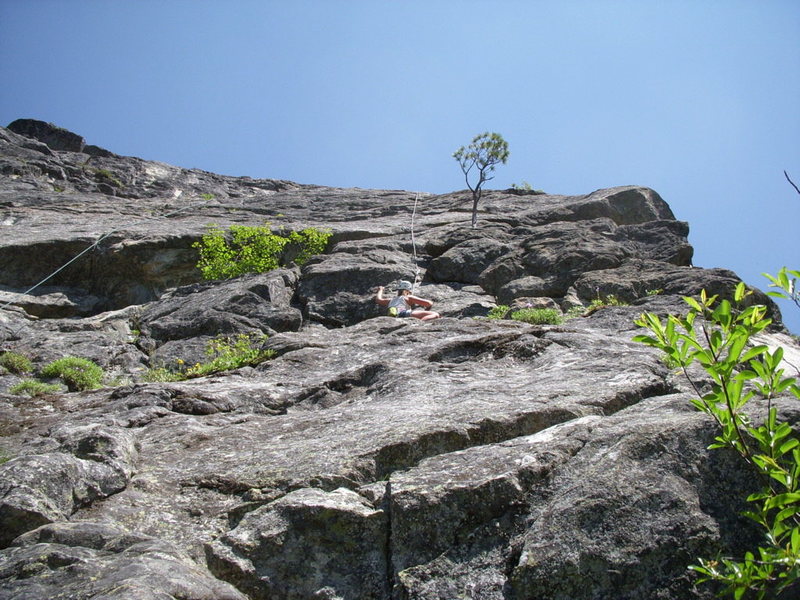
<point x="404" y="304"/>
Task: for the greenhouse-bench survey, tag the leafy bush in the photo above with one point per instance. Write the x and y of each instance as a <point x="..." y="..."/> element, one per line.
<point x="602" y="302"/>
<point x="309" y="242"/>
<point x="525" y="188"/>
<point x="79" y="374"/>
<point x="574" y="312"/>
<point x="538" y="316"/>
<point x="231" y="353"/>
<point x="106" y="176"/>
<point x="254" y="249"/>
<point x="15" y="363"/>
<point x="498" y="312"/>
<point x="718" y="336"/>
<point x="785" y="280"/>
<point x="225" y="353"/>
<point x="33" y="387"/>
<point x="162" y="375"/>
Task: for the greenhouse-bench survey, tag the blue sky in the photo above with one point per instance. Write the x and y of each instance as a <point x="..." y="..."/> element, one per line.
<point x="695" y="99"/>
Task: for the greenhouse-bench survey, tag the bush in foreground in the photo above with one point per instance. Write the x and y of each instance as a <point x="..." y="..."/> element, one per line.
<point x="79" y="374"/>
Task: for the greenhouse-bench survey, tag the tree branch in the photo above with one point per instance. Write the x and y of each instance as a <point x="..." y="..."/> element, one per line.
<point x="792" y="182"/>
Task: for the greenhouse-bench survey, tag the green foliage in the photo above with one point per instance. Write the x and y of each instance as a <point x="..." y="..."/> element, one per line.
<point x="246" y="249"/>
<point x="525" y="188"/>
<point x="228" y="353"/>
<point x="498" y="312"/>
<point x="33" y="387"/>
<point x="538" y="316"/>
<point x="483" y="154"/>
<point x="162" y="375"/>
<point x="785" y="280"/>
<point x="14" y="362"/>
<point x="309" y="243"/>
<point x="718" y="336"/>
<point x="4" y="457"/>
<point x="224" y="352"/>
<point x="106" y="176"/>
<point x="610" y="300"/>
<point x="79" y="374"/>
<point x="574" y="313"/>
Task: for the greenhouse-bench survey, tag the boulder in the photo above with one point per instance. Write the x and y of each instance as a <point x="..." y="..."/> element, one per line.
<point x="179" y="326"/>
<point x="636" y="512"/>
<point x="85" y="560"/>
<point x="92" y="462"/>
<point x="53" y="303"/>
<point x="56" y="138"/>
<point x="465" y="261"/>
<point x="307" y="544"/>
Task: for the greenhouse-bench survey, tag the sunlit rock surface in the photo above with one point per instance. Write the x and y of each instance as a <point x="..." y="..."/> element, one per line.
<point x="372" y="457"/>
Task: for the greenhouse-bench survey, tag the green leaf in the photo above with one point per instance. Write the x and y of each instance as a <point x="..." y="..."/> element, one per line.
<point x="739" y="294"/>
<point x="782" y="500"/>
<point x="646" y="339"/>
<point x="692" y="303"/>
<point x="753" y="352"/>
<point x="778" y="295"/>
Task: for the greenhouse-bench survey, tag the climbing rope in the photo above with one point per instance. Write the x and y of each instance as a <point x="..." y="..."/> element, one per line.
<point x="414" y="247"/>
<point x="89" y="248"/>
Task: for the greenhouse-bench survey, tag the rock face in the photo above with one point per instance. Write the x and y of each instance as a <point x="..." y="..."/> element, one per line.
<point x="372" y="457"/>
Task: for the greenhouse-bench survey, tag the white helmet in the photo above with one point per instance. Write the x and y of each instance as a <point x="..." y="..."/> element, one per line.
<point x="404" y="285"/>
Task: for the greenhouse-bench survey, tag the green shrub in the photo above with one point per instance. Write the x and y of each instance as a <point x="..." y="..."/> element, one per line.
<point x="225" y="352"/>
<point x="79" y="374"/>
<point x="309" y="243"/>
<point x="498" y="312"/>
<point x="602" y="302"/>
<point x="33" y="387"/>
<point x="786" y="280"/>
<point x="231" y="353"/>
<point x="15" y="363"/>
<point x="538" y="316"/>
<point x="162" y="375"/>
<point x="525" y="188"/>
<point x="4" y="457"/>
<point x="574" y="312"/>
<point x="246" y="249"/>
<point x="719" y="336"/>
<point x="106" y="176"/>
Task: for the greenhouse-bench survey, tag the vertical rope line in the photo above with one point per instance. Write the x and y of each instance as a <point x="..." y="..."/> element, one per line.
<point x="414" y="246"/>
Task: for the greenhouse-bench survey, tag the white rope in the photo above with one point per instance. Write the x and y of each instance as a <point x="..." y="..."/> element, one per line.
<point x="91" y="247"/>
<point x="414" y="246"/>
<point x="61" y="268"/>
